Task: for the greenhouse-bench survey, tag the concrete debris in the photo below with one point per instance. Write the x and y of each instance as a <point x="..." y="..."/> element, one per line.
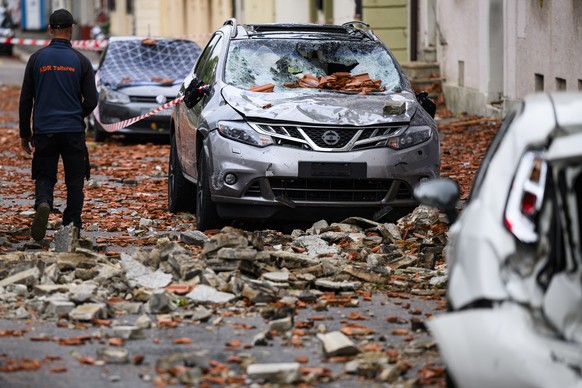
<point x="207" y="294"/>
<point x="337" y="344"/>
<point x="187" y="277"/>
<point x="113" y="355"/>
<point x="66" y="239"/>
<point x="127" y="332"/>
<point x="88" y="312"/>
<point x="277" y="373"/>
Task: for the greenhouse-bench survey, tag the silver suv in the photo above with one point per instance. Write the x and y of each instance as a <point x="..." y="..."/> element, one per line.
<point x="298" y="121"/>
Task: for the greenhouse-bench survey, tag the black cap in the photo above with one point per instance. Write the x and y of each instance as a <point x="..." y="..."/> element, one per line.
<point x="61" y="18"/>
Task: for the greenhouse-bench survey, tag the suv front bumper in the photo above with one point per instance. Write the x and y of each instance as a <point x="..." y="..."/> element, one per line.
<point x="271" y="184"/>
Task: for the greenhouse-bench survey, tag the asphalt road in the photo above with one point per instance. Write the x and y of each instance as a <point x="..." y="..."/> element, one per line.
<point x="61" y="367"/>
<point x="11" y="70"/>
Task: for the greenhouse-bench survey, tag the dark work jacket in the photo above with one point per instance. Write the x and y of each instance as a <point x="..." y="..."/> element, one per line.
<point x="59" y="83"/>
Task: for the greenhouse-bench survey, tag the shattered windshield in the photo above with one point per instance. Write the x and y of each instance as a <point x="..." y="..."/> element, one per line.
<point x="294" y="64"/>
<point x="147" y="62"/>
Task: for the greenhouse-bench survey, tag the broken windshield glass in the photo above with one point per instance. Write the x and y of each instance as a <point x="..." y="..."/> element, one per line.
<point x="293" y="64"/>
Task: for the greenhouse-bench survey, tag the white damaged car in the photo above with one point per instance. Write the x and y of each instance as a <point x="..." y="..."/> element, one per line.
<point x="515" y="259"/>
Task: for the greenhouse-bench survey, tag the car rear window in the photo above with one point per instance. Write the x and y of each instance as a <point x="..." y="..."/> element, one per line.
<point x="149" y="61"/>
<point x="283" y="63"/>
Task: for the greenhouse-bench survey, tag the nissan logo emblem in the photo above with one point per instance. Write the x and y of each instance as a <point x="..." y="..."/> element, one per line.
<point x="330" y="138"/>
<point x="161" y="99"/>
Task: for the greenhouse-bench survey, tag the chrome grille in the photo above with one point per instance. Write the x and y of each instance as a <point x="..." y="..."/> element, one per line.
<point x="330" y="190"/>
<point x="330" y="138"/>
<point x="147" y="99"/>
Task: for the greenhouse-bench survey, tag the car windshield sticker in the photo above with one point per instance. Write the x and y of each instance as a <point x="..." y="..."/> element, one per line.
<point x="136" y="62"/>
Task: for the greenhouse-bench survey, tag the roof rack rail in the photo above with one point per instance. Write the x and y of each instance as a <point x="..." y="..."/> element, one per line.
<point x="346" y="24"/>
<point x="351" y="28"/>
<point x="232" y="22"/>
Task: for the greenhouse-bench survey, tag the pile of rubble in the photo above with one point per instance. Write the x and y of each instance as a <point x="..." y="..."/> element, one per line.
<point x="343" y="81"/>
<point x="202" y="273"/>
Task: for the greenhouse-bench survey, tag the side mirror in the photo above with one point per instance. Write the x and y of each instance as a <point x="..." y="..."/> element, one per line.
<point x="426" y="103"/>
<point x="442" y="193"/>
<point x="194" y="93"/>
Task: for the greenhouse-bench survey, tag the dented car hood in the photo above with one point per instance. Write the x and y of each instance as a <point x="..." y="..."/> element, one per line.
<point x="323" y="107"/>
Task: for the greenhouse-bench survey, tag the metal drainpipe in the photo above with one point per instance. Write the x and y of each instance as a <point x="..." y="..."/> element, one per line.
<point x="413" y="30"/>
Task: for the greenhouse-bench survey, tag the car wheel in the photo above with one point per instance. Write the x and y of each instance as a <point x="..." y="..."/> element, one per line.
<point x="206" y="214"/>
<point x="181" y="192"/>
<point x="99" y="134"/>
<point x="6" y="49"/>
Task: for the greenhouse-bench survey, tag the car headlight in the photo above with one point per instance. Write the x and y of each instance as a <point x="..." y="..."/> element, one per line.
<point x="419" y="131"/>
<point x="114" y="97"/>
<point x="242" y="132"/>
<point x="6" y="33"/>
<point x="412" y="136"/>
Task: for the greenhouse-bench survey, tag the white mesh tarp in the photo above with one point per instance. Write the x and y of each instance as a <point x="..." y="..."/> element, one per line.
<point x="135" y="61"/>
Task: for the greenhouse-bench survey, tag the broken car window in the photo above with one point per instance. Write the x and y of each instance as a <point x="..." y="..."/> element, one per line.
<point x="285" y="62"/>
<point x="141" y="62"/>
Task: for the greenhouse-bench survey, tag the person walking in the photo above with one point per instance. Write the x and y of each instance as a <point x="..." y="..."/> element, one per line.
<point x="58" y="92"/>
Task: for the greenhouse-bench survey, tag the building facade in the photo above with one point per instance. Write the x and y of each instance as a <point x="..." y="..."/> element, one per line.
<point x="492" y="53"/>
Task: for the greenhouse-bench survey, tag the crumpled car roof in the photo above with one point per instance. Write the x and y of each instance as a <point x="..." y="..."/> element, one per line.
<point x="145" y="61"/>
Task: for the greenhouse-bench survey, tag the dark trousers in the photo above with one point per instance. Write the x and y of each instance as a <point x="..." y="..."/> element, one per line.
<point x="72" y="149"/>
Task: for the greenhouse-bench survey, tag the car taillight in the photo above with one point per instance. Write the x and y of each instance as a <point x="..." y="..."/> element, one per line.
<point x="526" y="197"/>
<point x="528" y="204"/>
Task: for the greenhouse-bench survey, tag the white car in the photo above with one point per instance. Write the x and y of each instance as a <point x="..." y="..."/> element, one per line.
<point x="515" y="259"/>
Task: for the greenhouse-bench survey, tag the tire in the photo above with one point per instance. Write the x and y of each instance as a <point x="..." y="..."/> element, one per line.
<point x="206" y="214"/>
<point x="99" y="135"/>
<point x="181" y="192"/>
<point x="6" y="49"/>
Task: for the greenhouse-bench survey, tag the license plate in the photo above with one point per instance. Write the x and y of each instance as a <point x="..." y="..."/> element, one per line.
<point x="332" y="170"/>
<point x="165" y="112"/>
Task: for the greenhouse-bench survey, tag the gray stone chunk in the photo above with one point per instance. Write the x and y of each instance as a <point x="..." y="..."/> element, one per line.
<point x="127" y="332"/>
<point x="160" y="303"/>
<point x="139" y="275"/>
<point x="236" y="254"/>
<point x="106" y="272"/>
<point x="403" y="262"/>
<point x="277" y="373"/>
<point x="206" y="294"/>
<point x="128" y="307"/>
<point x="113" y="355"/>
<point x="56" y="308"/>
<point x="391" y="232"/>
<point x="281" y="325"/>
<point x="336" y="343"/>
<point x="88" y="311"/>
<point x="83" y="292"/>
<point x="143" y="322"/>
<point x="66" y="239"/>
<point x="278" y="277"/>
<point x="338" y="286"/>
<point x="46" y="289"/>
<point x="28" y="277"/>
<point x="194" y="237"/>
<point x="185" y="266"/>
<point x="317" y="246"/>
<point x="222" y="240"/>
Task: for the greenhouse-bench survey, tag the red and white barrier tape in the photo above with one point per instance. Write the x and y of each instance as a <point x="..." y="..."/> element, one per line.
<point x="79" y="44"/>
<point x="128" y="122"/>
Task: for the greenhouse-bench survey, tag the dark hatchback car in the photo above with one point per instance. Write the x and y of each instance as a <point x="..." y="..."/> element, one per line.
<point x="136" y="75"/>
<point x="298" y="121"/>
